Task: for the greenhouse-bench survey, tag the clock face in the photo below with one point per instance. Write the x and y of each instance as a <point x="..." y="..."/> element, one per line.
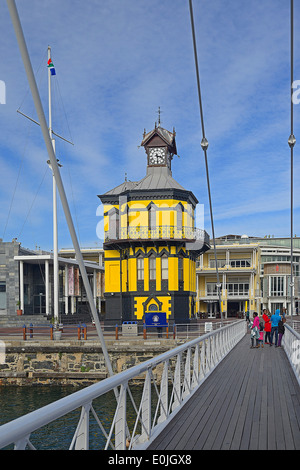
<point x="157" y="156"/>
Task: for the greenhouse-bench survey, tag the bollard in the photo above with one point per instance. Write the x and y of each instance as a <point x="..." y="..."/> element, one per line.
<point x="51" y="331"/>
<point x="84" y="329"/>
<point x="78" y="332"/>
<point x="24" y="332"/>
<point x="167" y="332"/>
<point x="145" y="332"/>
<point x="174" y="331"/>
<point x="31" y="330"/>
<point x="117" y="332"/>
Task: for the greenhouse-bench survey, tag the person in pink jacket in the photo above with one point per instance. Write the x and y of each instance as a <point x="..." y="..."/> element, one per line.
<point x="255" y="330"/>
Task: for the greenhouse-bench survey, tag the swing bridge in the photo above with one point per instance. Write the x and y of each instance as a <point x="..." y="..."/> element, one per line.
<point x="212" y="392"/>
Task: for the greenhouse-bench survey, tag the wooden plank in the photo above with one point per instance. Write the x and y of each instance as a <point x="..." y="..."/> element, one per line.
<point x="250" y="401"/>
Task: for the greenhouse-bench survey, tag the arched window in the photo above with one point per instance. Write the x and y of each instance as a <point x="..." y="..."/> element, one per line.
<point x="164" y="268"/>
<point x="114" y="224"/>
<point x="140" y="268"/>
<point x="179" y="221"/>
<point x="152" y="267"/>
<point x="152" y="217"/>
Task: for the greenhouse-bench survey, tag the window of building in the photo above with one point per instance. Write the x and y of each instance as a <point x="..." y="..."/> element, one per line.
<point x="180" y="268"/>
<point x="152" y="268"/>
<point x="164" y="267"/>
<point x="237" y="288"/>
<point x="240" y="263"/>
<point x="114" y="225"/>
<point x="140" y="268"/>
<point x="179" y="217"/>
<point x="2" y="295"/>
<point x="277" y="286"/>
<point x="220" y="262"/>
<point x="211" y="288"/>
<point x="152" y="217"/>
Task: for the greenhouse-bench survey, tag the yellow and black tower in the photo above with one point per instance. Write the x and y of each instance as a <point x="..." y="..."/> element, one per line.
<point x="151" y="243"/>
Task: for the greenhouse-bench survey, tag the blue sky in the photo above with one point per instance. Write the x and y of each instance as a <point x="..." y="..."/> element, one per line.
<point x="116" y="63"/>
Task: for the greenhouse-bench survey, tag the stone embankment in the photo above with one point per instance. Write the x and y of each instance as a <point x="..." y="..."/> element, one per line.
<point x="74" y="362"/>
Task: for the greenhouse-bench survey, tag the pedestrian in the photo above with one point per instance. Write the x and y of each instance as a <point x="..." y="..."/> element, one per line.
<point x="281" y="329"/>
<point x="260" y="340"/>
<point x="254" y="330"/>
<point x="283" y="312"/>
<point x="275" y="319"/>
<point x="267" y="320"/>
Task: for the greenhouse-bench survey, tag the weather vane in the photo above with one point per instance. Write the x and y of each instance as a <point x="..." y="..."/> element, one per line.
<point x="159" y="113"/>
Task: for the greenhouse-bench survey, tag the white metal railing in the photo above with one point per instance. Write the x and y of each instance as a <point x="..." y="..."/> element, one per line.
<point x="169" y="380"/>
<point x="291" y="344"/>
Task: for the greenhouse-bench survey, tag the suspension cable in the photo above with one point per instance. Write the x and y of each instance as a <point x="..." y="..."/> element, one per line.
<point x="204" y="145"/>
<point x="291" y="142"/>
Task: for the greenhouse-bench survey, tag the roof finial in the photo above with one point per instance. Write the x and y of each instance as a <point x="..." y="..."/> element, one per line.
<point x="125" y="176"/>
<point x="159" y="113"/>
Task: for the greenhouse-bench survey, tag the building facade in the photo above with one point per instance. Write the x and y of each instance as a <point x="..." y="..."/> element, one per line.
<point x="151" y="242"/>
<point x="26" y="282"/>
<point x="255" y="273"/>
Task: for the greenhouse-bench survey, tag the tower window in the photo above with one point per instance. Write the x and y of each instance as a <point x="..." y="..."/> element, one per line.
<point x="140" y="268"/>
<point x="152" y="268"/>
<point x="114" y="225"/>
<point x="152" y="217"/>
<point x="180" y="268"/>
<point x="164" y="267"/>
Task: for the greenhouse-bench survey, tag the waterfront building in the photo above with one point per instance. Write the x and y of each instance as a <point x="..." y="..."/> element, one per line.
<point x="26" y="282"/>
<point x="254" y="272"/>
<point x="150" y="241"/>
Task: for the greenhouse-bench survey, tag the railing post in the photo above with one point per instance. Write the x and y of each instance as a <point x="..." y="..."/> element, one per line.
<point x="84" y="331"/>
<point x="174" y="331"/>
<point x="164" y="393"/>
<point x="78" y="332"/>
<point x="177" y="383"/>
<point x="51" y="331"/>
<point x="120" y="426"/>
<point x="117" y="332"/>
<point x="24" y="332"/>
<point x="82" y="431"/>
<point x="144" y="332"/>
<point x="146" y="408"/>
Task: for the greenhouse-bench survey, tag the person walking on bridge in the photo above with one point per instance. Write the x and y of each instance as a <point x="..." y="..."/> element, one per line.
<point x="275" y="319"/>
<point x="267" y="320"/>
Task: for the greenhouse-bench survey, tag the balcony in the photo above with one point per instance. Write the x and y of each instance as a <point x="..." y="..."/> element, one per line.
<point x="191" y="236"/>
<point x="228" y="294"/>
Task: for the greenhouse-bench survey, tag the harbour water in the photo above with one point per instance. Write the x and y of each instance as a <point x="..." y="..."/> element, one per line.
<point x="18" y="401"/>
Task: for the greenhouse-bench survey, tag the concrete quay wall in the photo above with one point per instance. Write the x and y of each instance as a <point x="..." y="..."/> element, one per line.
<point x="24" y="363"/>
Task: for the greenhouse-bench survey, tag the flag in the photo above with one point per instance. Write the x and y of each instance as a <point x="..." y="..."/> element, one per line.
<point x="51" y="67"/>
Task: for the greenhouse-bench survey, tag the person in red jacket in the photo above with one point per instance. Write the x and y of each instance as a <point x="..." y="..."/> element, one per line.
<point x="267" y="320"/>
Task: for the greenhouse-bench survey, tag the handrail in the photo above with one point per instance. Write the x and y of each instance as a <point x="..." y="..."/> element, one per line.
<point x="291" y="345"/>
<point x="183" y="369"/>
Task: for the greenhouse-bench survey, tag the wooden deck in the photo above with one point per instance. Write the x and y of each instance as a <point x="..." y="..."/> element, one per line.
<point x="251" y="401"/>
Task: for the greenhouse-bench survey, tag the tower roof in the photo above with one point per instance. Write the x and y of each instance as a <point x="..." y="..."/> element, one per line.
<point x="167" y="136"/>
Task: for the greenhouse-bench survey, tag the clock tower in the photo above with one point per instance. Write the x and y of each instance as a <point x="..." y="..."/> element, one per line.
<point x="160" y="147"/>
<point x="150" y="241"/>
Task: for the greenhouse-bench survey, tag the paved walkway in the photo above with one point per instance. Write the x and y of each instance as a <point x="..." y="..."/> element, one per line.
<point x="251" y="401"/>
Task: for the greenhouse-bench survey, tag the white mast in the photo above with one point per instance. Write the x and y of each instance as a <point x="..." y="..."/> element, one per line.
<point x="55" y="242"/>
<point x="42" y="122"/>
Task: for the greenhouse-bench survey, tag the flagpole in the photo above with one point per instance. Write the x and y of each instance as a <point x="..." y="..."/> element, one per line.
<point x="41" y="116"/>
<point x="55" y="237"/>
